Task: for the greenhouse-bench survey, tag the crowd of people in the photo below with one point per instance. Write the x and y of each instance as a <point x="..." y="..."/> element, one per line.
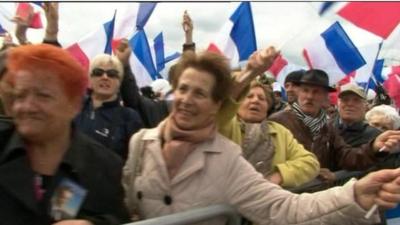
<point x="90" y="147"/>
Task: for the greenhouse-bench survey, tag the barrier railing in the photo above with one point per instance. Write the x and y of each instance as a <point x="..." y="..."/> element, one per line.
<point x="195" y="216"/>
<point x="342" y="176"/>
<point x="234" y="218"/>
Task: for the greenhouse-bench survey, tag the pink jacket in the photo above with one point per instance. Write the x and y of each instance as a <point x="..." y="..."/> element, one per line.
<point x="216" y="173"/>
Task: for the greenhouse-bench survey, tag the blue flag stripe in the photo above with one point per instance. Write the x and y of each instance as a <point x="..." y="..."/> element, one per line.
<point x="377" y="70"/>
<point x="109" y="29"/>
<point x="2" y="30"/>
<point x="159" y="51"/>
<point x="393" y="213"/>
<point x="243" y="33"/>
<point x="144" y="13"/>
<point x="141" y="49"/>
<point x="325" y="6"/>
<point x="342" y="48"/>
<point x="172" y="57"/>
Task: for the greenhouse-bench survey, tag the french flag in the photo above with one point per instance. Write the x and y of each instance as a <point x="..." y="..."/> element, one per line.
<point x="24" y="10"/>
<point x="159" y="53"/>
<point x="122" y="25"/>
<point x="141" y="60"/>
<point x="389" y="77"/>
<point x="380" y="18"/>
<point x="391" y="86"/>
<point x="334" y="52"/>
<point x="370" y="54"/>
<point x="97" y="42"/>
<point x="237" y="39"/>
<point x="281" y="67"/>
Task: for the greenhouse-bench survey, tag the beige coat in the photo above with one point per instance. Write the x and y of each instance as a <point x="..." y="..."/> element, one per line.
<point x="217" y="173"/>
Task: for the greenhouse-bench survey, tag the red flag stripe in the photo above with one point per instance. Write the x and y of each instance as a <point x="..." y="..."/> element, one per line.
<point x="380" y="18"/>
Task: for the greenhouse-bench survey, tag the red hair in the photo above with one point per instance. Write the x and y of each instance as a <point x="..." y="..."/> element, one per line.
<point x="53" y="60"/>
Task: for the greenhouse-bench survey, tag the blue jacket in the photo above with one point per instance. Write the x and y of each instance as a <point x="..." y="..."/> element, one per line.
<point x="110" y="124"/>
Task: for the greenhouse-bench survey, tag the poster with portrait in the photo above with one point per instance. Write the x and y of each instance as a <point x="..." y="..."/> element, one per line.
<point x="67" y="200"/>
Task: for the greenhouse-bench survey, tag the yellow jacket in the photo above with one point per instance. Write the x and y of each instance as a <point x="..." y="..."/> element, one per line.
<point x="295" y="164"/>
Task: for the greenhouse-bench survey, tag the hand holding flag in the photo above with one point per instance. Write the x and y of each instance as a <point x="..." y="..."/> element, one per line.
<point x="257" y="63"/>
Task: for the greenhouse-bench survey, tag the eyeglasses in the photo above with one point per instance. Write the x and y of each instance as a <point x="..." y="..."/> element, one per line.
<point x="97" y="72"/>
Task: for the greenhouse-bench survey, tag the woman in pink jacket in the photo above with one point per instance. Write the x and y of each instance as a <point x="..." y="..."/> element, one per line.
<point x="184" y="163"/>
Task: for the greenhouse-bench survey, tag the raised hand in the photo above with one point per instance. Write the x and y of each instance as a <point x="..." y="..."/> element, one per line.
<point x="187" y="26"/>
<point x="51" y="12"/>
<point x="388" y="141"/>
<point x="123" y="51"/>
<point x="381" y="188"/>
<point x="258" y="63"/>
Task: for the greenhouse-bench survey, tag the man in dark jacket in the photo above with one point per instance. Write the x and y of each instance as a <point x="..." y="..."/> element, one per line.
<point x="351" y="123"/>
<point x="308" y="123"/>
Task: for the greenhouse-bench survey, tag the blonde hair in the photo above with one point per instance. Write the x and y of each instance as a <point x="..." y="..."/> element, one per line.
<point x="106" y="58"/>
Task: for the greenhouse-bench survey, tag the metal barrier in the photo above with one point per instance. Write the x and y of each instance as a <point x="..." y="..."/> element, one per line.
<point x="234" y="218"/>
<point x="195" y="216"/>
<point x="342" y="176"/>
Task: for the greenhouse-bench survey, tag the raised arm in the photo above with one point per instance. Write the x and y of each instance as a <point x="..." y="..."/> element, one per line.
<point x="51" y="34"/>
<point x="257" y="64"/>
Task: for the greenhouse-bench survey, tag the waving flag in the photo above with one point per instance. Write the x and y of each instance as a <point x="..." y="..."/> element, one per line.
<point x="93" y="44"/>
<point x="109" y="30"/>
<point x="237" y="39"/>
<point x="392" y="85"/>
<point x="377" y="70"/>
<point x="369" y="53"/>
<point x="380" y="18"/>
<point x="23" y="13"/>
<point x="159" y="51"/>
<point x="325" y="6"/>
<point x="141" y="60"/>
<point x="281" y="68"/>
<point x="122" y="25"/>
<point x="333" y="52"/>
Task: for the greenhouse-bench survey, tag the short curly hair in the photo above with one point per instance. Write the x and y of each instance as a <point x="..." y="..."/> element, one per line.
<point x="387" y="111"/>
<point x="213" y="63"/>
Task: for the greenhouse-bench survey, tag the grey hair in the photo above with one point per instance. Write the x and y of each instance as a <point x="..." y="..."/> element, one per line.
<point x="106" y="58"/>
<point x="388" y="112"/>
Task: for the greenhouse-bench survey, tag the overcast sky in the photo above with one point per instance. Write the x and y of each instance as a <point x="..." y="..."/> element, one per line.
<point x="288" y="25"/>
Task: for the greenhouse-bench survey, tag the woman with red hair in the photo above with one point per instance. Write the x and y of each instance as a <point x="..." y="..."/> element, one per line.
<point x="45" y="152"/>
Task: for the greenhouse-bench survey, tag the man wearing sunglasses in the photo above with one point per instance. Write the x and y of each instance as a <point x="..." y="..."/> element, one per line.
<point x="103" y="117"/>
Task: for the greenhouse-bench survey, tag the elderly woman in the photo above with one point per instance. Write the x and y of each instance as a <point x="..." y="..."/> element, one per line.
<point x="103" y="118"/>
<point x="43" y="152"/>
<point x="268" y="146"/>
<point x="383" y="117"/>
<point x="185" y="163"/>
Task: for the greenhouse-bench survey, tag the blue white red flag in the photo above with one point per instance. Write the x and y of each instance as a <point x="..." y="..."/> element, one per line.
<point x="122" y="25"/>
<point x="334" y="52"/>
<point x="237" y="39"/>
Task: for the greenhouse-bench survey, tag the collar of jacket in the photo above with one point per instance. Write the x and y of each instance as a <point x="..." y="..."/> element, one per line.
<point x="109" y="104"/>
<point x="356" y="126"/>
<point x="154" y="134"/>
<point x="15" y="147"/>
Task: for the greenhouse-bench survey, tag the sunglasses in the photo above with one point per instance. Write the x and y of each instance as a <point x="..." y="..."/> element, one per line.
<point x="97" y="72"/>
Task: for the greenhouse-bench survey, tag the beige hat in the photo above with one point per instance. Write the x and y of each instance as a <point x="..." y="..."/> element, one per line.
<point x="352" y="88"/>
